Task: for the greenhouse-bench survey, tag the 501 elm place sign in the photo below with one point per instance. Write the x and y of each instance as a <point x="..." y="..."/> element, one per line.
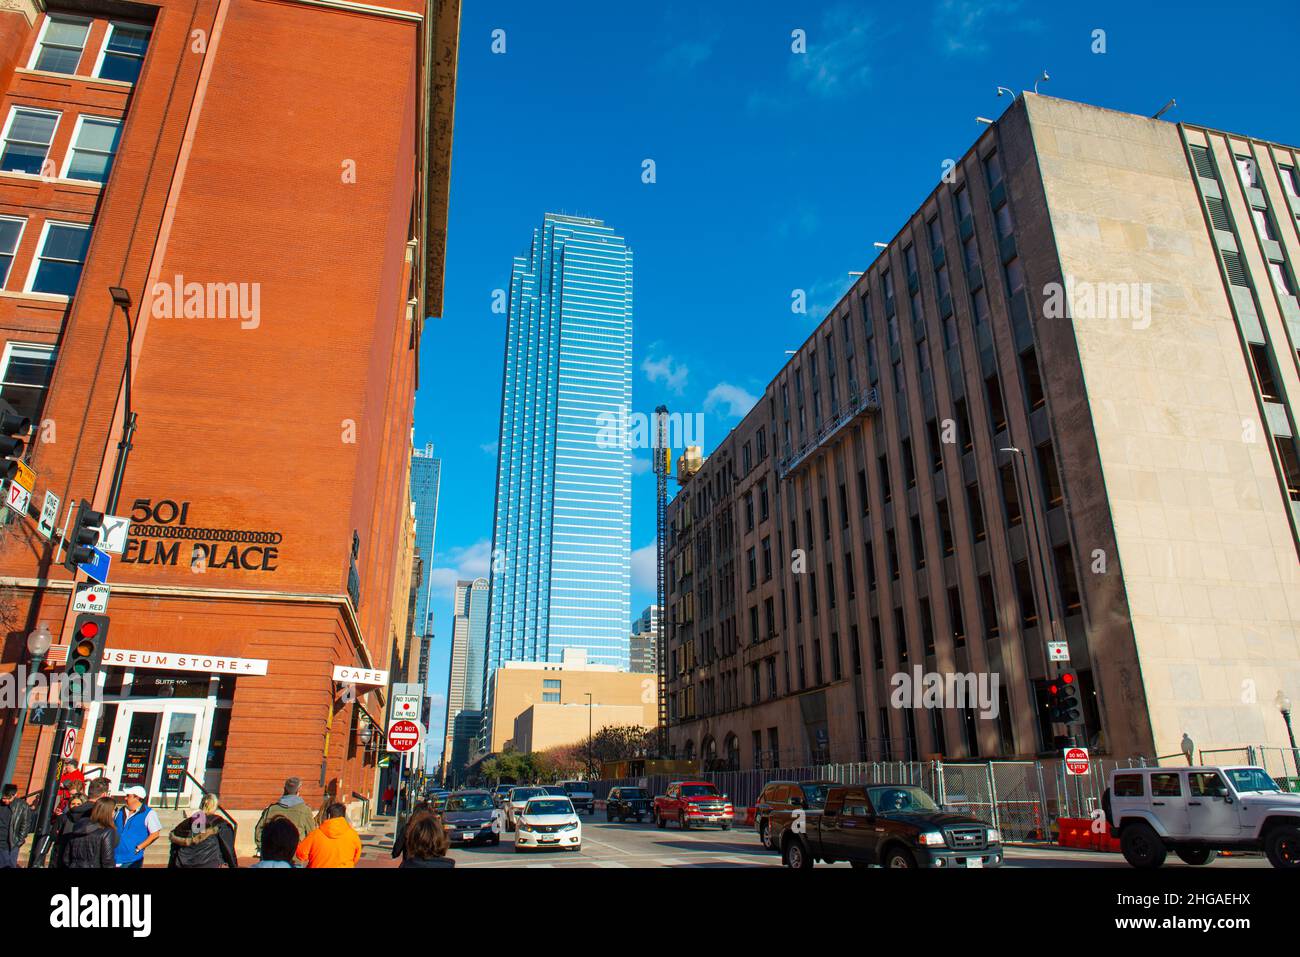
<point x="161" y="534"/>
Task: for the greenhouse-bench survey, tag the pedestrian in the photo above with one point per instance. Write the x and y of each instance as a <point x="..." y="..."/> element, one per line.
<point x="426" y="841"/>
<point x="95" y="790"/>
<point x="399" y="835"/>
<point x="389" y="794"/>
<point x="290" y="805"/>
<point x="333" y="844"/>
<point x="73" y="779"/>
<point x="16" y="817"/>
<point x="204" y="839"/>
<point x="137" y="827"/>
<point x="279" y="843"/>
<point x="88" y="840"/>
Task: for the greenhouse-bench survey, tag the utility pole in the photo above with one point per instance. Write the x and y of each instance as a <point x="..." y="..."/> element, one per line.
<point x="662" y="456"/>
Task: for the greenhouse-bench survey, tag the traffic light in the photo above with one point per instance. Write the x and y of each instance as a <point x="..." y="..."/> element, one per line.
<point x="1067" y="699"/>
<point x="83" y="537"/>
<point x="14" y="427"/>
<point x="86" y="649"/>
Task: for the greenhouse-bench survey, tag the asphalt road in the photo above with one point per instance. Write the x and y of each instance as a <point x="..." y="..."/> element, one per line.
<point x="643" y="845"/>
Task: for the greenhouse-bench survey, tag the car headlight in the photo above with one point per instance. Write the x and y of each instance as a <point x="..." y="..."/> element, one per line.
<point x="930" y="839"/>
<point x="994" y="836"/>
<point x="523" y="827"/>
<point x="570" y="827"/>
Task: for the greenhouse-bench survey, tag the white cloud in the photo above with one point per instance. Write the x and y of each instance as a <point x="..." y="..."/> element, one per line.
<point x="460" y="564"/>
<point x="640" y="465"/>
<point x="729" y="400"/>
<point x="673" y="374"/>
<point x="489" y="448"/>
<point x="839" y="57"/>
<point x="645" y="572"/>
<point x="965" y="26"/>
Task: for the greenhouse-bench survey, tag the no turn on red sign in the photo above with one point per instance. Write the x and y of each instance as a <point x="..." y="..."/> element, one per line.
<point x="1076" y="761"/>
<point x="403" y="736"/>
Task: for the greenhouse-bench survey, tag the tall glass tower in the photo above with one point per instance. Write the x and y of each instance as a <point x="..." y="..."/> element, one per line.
<point x="426" y="472"/>
<point x="561" y="537"/>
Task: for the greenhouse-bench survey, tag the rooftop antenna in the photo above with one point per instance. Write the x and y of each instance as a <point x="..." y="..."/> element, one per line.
<point x="1042" y="79"/>
<point x="1165" y="109"/>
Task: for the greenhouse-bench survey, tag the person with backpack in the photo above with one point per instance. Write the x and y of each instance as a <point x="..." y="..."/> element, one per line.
<point x="204" y="839"/>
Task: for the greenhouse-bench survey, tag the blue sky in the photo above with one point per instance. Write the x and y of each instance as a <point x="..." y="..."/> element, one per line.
<point x="774" y="171"/>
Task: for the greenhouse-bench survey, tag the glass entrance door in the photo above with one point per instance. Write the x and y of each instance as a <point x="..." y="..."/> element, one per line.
<point x="153" y="745"/>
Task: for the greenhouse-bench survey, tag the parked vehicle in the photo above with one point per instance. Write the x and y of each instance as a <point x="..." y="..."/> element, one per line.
<point x="500" y="793"/>
<point x="468" y="817"/>
<point x="891" y="825"/>
<point x="516" y="800"/>
<point x="625" y="803"/>
<point x="1197" y="812"/>
<point x="555" y="789"/>
<point x="692" y="804"/>
<point x="548" y="821"/>
<point x="785" y="796"/>
<point x="580" y="794"/>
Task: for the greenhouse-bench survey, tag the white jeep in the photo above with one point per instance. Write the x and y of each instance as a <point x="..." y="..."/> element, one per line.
<point x="1197" y="812"/>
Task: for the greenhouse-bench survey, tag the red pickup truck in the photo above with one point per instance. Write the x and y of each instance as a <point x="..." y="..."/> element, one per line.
<point x="693" y="803"/>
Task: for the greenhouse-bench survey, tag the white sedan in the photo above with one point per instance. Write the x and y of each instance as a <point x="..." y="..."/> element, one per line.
<point x="548" y="821"/>
<point x="515" y="801"/>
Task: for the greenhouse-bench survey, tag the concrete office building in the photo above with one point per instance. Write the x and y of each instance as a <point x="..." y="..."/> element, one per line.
<point x="1113" y="295"/>
<point x="643" y="646"/>
<point x="465" y="674"/>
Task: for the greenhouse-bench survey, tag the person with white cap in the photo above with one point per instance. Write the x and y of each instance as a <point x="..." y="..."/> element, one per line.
<point x="137" y="827"/>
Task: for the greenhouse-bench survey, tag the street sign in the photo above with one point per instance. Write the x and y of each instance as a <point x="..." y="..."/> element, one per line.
<point x="403" y="736"/>
<point x="1058" y="651"/>
<point x="1076" y="761"/>
<point x="98" y="569"/>
<point x="91" y="596"/>
<point x="49" y="515"/>
<point x="25" y="477"/>
<point x="112" y="534"/>
<point x="69" y="748"/>
<point x="17" y="497"/>
<point x="406" y="702"/>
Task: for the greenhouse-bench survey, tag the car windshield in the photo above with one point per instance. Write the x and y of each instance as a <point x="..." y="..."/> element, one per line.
<point x="814" y="795"/>
<point x="699" y="790"/>
<point x="1252" y="779"/>
<point x="893" y="800"/>
<point x="469" y="802"/>
<point x="577" y="787"/>
<point x="523" y="794"/>
<point x="548" y="806"/>
<point x="628" y="793"/>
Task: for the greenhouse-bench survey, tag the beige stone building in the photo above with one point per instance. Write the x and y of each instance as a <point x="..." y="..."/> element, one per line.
<point x="547" y="702"/>
<point x="1115" y="296"/>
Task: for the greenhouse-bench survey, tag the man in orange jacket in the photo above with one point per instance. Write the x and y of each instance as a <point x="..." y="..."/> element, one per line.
<point x="333" y="844"/>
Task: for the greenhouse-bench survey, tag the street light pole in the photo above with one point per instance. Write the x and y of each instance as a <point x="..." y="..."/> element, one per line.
<point x="38" y="643"/>
<point x="591" y="767"/>
<point x="1283" y="703"/>
<point x="122" y="299"/>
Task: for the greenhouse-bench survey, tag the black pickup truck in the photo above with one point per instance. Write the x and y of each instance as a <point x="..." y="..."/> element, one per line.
<point x="892" y="825"/>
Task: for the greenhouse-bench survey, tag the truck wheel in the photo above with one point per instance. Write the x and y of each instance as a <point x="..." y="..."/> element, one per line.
<point x="684" y="824"/>
<point x="900" y="857"/>
<point x="1141" y="845"/>
<point x="1196" y="856"/>
<point x="1282" y="846"/>
<point x="795" y="856"/>
<point x="659" y="821"/>
<point x="725" y="826"/>
<point x="764" y="835"/>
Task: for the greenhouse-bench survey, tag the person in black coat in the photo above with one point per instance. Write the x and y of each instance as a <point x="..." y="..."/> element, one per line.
<point x="204" y="839"/>
<point x="88" y="839"/>
<point x="425" y="841"/>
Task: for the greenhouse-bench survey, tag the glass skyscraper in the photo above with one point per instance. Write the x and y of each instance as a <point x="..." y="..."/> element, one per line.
<point x="561" y="548"/>
<point x="426" y="472"/>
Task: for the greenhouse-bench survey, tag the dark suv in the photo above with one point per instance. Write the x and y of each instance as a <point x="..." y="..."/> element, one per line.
<point x="785" y="796"/>
<point x="624" y="803"/>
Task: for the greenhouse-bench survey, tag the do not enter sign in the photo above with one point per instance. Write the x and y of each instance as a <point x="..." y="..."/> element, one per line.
<point x="403" y="736"/>
<point x="1076" y="761"/>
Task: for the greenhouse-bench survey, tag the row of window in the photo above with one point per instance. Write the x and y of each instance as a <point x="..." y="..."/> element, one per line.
<point x="29" y="133"/>
<point x="61" y="48"/>
<point x="60" y="253"/>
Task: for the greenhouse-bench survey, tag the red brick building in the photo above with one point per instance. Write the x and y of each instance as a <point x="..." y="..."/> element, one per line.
<point x="268" y="179"/>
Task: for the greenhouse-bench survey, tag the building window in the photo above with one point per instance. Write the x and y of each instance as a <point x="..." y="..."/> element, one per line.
<point x="25" y="376"/>
<point x="59" y="47"/>
<point x="11" y="231"/>
<point x="1033" y="380"/>
<point x="551" y="683"/>
<point x="955" y="617"/>
<point x="1009" y="493"/>
<point x="59" y="258"/>
<point x="550" y="697"/>
<point x="1025" y="594"/>
<point x="1051" y="479"/>
<point x="988" y="607"/>
<point x="123" y="53"/>
<point x="976" y="511"/>
<point x="27" y="138"/>
<point x="94" y="143"/>
<point x="1069" y="584"/>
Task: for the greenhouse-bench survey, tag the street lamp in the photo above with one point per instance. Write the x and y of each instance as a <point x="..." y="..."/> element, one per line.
<point x="38" y="644"/>
<point x="122" y="300"/>
<point x="1283" y="702"/>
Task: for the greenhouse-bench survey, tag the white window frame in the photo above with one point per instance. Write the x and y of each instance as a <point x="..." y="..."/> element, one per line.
<point x="103" y="47"/>
<point x="9" y="120"/>
<point x="72" y="147"/>
<point x="40" y="39"/>
<point x="11" y="346"/>
<point x="22" y="230"/>
<point x="40" y="247"/>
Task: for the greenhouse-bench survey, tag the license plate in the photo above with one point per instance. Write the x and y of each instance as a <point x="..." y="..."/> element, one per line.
<point x="467" y="836"/>
<point x="974" y="862"/>
<point x="548" y="840"/>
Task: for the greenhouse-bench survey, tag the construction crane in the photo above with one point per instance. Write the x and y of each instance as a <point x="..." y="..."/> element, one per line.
<point x="662" y="464"/>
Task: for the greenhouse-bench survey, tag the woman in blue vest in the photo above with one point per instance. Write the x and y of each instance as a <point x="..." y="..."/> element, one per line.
<point x="137" y="827"/>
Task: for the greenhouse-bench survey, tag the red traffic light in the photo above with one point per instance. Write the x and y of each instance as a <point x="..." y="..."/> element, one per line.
<point x="1067" y="678"/>
<point x="88" y="629"/>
